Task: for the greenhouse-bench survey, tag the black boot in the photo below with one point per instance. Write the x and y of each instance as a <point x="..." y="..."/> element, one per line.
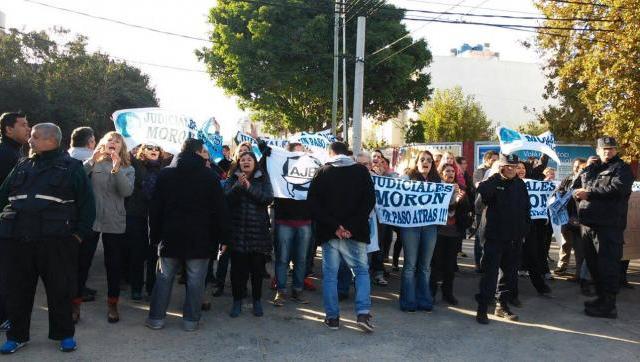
<point x="481" y="314"/>
<point x="606" y="308"/>
<point x="595" y="302"/>
<point x="503" y="311"/>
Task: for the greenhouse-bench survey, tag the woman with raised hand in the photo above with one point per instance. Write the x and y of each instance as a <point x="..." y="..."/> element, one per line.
<point x="418" y="243"/>
<point x="249" y="193"/>
<point x="147" y="163"/>
<point x="112" y="179"/>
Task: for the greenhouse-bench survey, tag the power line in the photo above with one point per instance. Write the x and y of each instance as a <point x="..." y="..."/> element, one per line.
<point x="119" y="22"/>
<point x="464" y="22"/>
<point x="407" y="35"/>
<point x="582" y="3"/>
<point x="474" y="7"/>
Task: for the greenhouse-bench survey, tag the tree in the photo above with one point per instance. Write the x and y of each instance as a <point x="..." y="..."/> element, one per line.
<point x="414" y="132"/>
<point x="453" y="117"/>
<point x="66" y="85"/>
<point x="277" y="58"/>
<point x="533" y="128"/>
<point x="596" y="66"/>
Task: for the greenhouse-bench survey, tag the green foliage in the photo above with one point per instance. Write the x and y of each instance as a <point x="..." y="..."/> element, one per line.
<point x="533" y="128"/>
<point x="65" y="84"/>
<point x="453" y="117"/>
<point x="597" y="73"/>
<point x="414" y="132"/>
<point x="278" y="60"/>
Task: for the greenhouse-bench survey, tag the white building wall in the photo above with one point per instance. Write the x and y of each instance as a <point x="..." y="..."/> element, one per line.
<point x="503" y="88"/>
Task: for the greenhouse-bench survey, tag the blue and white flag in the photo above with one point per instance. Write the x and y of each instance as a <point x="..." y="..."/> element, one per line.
<point x="243" y="137"/>
<point x="512" y="141"/>
<point x="406" y="203"/>
<point x="166" y="129"/>
<point x="635" y="187"/>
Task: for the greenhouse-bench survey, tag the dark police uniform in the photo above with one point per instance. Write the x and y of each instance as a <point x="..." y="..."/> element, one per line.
<point x="507" y="222"/>
<point x="603" y="216"/>
<point x="10" y="153"/>
<point x="48" y="207"/>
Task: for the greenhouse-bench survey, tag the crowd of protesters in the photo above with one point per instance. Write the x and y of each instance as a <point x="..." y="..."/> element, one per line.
<point x="161" y="216"/>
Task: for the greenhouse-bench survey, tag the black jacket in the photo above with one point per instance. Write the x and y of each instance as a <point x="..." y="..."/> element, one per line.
<point x="609" y="186"/>
<point x="187" y="214"/>
<point x="137" y="205"/>
<point x="249" y="217"/>
<point x="10" y="153"/>
<point x="341" y="195"/>
<point x="508" y="208"/>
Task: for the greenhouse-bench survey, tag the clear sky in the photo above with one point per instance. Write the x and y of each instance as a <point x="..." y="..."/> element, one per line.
<point x="193" y="92"/>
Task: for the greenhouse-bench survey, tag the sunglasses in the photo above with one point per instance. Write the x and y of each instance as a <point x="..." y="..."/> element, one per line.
<point x="152" y="148"/>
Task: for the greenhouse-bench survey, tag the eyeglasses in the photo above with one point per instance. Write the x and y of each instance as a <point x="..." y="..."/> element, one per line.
<point x="152" y="148"/>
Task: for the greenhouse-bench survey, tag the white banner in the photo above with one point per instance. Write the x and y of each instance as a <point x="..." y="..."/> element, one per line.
<point x="512" y="141"/>
<point x="291" y="173"/>
<point x="166" y="129"/>
<point x="539" y="194"/>
<point x="635" y="187"/>
<point x="408" y="203"/>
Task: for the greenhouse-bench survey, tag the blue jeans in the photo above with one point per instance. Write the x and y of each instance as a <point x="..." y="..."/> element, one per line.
<point x="418" y="243"/>
<point x="196" y="270"/>
<point x="354" y="254"/>
<point x="292" y="244"/>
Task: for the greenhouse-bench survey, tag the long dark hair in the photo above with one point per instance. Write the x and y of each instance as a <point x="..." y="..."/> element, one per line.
<point x="432" y="176"/>
<point x="236" y="165"/>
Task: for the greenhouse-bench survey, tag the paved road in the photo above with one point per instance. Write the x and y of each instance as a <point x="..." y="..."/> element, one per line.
<point x="549" y="329"/>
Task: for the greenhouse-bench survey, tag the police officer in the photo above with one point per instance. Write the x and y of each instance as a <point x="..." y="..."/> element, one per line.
<point x="48" y="209"/>
<point x="602" y="194"/>
<point x="14" y="128"/>
<point x="507" y="222"/>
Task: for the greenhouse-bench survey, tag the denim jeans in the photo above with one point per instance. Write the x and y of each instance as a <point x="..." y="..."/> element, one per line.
<point x="345" y="277"/>
<point x="418" y="243"/>
<point x="196" y="270"/>
<point x="354" y="254"/>
<point x="293" y="244"/>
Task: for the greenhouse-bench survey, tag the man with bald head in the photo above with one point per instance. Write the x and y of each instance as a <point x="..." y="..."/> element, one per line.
<point x="48" y="208"/>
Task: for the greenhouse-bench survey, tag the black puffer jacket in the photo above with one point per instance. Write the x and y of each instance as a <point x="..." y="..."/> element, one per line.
<point x="137" y="205"/>
<point x="609" y="186"/>
<point x="249" y="218"/>
<point x="188" y="213"/>
<point x="508" y="208"/>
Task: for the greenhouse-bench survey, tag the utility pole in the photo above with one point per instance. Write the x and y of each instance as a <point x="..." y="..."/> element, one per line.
<point x="345" y="104"/>
<point x="358" y="86"/>
<point x="336" y="33"/>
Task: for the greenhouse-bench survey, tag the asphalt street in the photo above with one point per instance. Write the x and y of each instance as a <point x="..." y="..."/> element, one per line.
<point x="548" y="330"/>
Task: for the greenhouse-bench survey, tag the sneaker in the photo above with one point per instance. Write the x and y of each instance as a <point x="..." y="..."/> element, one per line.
<point x="10" y="347"/>
<point x="560" y="270"/>
<point x="279" y="300"/>
<point x="68" y="345"/>
<point x="5" y="326"/>
<point x="297" y="296"/>
<point x="481" y="315"/>
<point x="364" y="322"/>
<point x="503" y="311"/>
<point x="190" y="326"/>
<point x="236" y="309"/>
<point x="332" y="323"/>
<point x="308" y="285"/>
<point x="380" y="280"/>
<point x="154" y="324"/>
<point x="462" y="254"/>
